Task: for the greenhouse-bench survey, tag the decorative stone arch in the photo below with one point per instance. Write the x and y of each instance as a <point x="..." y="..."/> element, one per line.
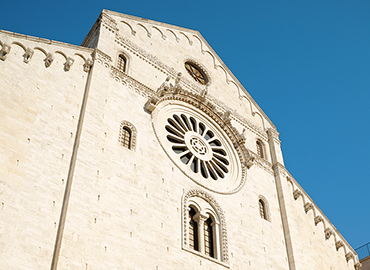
<point x="125" y="125"/>
<point x="208" y="207"/>
<point x="266" y="208"/>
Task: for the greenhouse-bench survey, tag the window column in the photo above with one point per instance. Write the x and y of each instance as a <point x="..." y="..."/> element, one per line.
<point x="200" y="219"/>
<point x="216" y="240"/>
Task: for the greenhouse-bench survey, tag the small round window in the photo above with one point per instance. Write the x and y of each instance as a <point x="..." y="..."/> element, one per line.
<point x="196" y="73"/>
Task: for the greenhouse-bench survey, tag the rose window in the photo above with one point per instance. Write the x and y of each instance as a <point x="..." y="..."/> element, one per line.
<point x="197" y="146"/>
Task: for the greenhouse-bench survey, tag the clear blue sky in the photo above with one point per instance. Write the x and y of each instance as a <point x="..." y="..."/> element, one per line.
<point x="305" y="62"/>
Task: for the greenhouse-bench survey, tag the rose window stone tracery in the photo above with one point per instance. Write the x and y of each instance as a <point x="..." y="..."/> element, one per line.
<point x="197" y="146"/>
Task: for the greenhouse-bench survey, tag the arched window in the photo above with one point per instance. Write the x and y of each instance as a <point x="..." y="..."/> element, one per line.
<point x="122" y="63"/>
<point x="260" y="149"/>
<point x="127" y="135"/>
<point x="204" y="226"/>
<point x="208" y="238"/>
<point x="193" y="230"/>
<point x="262" y="209"/>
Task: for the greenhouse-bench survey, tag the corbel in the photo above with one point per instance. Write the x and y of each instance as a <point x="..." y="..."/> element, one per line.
<point x="151" y="104"/>
<point x="349" y="256"/>
<point x="308" y="206"/>
<point x="27" y="55"/>
<point x="68" y="63"/>
<point x="318" y="219"/>
<point x="328" y="232"/>
<point x="339" y="244"/>
<point x="49" y="59"/>
<point x="296" y="194"/>
<point x="250" y="162"/>
<point x="88" y="64"/>
<point x="358" y="266"/>
<point x="4" y="51"/>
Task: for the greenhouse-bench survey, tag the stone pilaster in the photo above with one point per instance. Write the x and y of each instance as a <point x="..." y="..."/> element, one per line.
<point x="277" y="161"/>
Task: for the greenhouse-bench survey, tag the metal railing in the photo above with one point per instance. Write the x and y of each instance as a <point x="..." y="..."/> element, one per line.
<point x="363" y="251"/>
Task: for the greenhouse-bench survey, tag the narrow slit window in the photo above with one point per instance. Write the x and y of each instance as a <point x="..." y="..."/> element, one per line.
<point x="208" y="238"/>
<point x="262" y="208"/>
<point x="126" y="137"/>
<point x="260" y="152"/>
<point x="122" y="63"/>
<point x="193" y="231"/>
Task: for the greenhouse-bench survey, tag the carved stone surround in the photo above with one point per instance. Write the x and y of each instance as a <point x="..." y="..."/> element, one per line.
<point x="209" y="199"/>
<point x="176" y="93"/>
<point x="329" y="229"/>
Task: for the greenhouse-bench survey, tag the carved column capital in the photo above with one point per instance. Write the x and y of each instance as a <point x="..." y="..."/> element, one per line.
<point x="358" y="266"/>
<point x="273" y="134"/>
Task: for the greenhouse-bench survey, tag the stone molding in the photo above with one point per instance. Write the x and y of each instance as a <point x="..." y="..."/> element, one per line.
<point x="209" y="199"/>
<point x="274" y="134"/>
<point x="131" y="83"/>
<point x="108" y="23"/>
<point x="262" y="163"/>
<point x="102" y="58"/>
<point x="308" y="204"/>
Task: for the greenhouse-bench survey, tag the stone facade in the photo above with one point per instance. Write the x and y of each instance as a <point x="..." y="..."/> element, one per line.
<point x="104" y="160"/>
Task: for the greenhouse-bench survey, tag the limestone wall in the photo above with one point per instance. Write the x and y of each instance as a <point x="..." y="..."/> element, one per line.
<point x="39" y="110"/>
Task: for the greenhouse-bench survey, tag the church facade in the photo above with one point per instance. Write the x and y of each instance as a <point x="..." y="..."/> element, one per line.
<point x="140" y="149"/>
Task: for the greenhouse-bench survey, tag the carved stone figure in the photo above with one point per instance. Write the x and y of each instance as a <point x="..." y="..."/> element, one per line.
<point x="177" y="86"/>
<point x="165" y="87"/>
